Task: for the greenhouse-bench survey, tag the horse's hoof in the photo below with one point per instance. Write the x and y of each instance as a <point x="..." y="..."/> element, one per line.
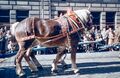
<point x="40" y="68"/>
<point x="21" y="74"/>
<point x="76" y="71"/>
<point x="34" y="72"/>
<point x="65" y="66"/>
<point x="54" y="72"/>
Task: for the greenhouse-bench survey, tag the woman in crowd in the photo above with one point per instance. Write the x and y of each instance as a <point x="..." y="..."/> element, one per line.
<point x="111" y="36"/>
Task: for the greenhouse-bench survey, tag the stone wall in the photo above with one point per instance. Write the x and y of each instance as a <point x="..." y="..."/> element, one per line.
<point x="102" y="6"/>
<point x="49" y="8"/>
<point x="34" y="6"/>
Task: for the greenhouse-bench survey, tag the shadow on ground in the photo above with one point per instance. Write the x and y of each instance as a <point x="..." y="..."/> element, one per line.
<point x="85" y="68"/>
<point x="99" y="68"/>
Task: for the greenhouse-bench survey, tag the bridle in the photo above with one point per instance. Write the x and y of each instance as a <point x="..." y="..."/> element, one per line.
<point x="76" y="22"/>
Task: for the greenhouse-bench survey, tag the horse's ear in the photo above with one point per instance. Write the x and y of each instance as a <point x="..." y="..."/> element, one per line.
<point x="69" y="11"/>
<point x="89" y="7"/>
<point x="60" y="15"/>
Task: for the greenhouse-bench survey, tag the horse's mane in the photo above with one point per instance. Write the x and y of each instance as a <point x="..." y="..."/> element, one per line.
<point x="83" y="14"/>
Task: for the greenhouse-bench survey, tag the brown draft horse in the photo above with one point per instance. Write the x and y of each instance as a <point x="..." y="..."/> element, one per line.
<point x="62" y="32"/>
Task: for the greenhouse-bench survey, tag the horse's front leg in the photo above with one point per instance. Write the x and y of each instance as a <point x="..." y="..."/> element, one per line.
<point x="29" y="61"/>
<point x="73" y="59"/>
<point x="18" y="59"/>
<point x="58" y="57"/>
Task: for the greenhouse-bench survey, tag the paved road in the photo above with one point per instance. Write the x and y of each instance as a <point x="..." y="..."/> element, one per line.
<point x="91" y="65"/>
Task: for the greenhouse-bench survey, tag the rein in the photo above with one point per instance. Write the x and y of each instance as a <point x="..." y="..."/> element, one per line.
<point x="71" y="22"/>
<point x="76" y="23"/>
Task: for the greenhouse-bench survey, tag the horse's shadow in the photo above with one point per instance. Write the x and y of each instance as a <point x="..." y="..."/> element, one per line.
<point x="99" y="67"/>
<point x="85" y="68"/>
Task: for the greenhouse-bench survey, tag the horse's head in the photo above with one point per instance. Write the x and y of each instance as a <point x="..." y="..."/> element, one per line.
<point x="85" y="17"/>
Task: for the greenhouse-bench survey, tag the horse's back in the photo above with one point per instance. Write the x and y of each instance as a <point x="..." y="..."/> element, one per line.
<point x="33" y="26"/>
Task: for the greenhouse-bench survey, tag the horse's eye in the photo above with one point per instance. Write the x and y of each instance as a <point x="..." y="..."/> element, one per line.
<point x="77" y="19"/>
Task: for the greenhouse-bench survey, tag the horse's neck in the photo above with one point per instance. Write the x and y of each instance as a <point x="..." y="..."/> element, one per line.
<point x="62" y="21"/>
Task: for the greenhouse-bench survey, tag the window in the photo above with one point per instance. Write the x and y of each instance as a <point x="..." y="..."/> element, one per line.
<point x="96" y="19"/>
<point x="4" y="16"/>
<point x="61" y="12"/>
<point x="64" y="0"/>
<point x="21" y="14"/>
<point x="110" y="19"/>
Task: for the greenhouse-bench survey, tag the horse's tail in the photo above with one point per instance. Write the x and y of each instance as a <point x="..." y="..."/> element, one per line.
<point x="12" y="28"/>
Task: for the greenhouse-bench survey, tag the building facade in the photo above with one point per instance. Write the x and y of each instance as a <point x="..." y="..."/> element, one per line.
<point x="105" y="12"/>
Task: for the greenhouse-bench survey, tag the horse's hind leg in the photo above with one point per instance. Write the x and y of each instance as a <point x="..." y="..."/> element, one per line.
<point x="19" y="57"/>
<point x="29" y="61"/>
<point x="39" y="66"/>
<point x="32" y="55"/>
<point x="62" y="61"/>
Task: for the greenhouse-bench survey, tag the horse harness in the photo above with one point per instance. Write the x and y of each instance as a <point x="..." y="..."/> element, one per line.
<point x="73" y="25"/>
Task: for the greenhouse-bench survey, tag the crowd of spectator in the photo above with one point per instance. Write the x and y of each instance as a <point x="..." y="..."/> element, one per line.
<point x="106" y="36"/>
<point x="6" y="43"/>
